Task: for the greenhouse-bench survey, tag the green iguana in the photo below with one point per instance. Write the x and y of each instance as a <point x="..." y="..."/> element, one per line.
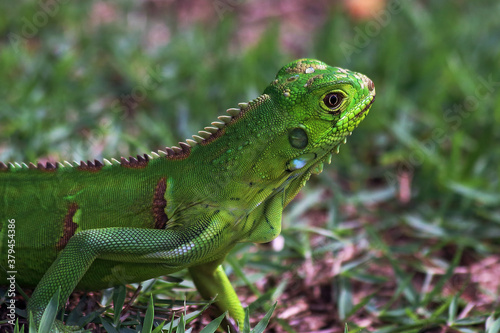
<point x="99" y="224"/>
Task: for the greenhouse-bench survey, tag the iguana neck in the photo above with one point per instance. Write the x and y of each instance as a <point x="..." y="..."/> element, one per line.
<point x="229" y="163"/>
<point x="237" y="149"/>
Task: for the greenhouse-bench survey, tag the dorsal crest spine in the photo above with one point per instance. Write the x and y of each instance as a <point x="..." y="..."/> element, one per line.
<point x="182" y="151"/>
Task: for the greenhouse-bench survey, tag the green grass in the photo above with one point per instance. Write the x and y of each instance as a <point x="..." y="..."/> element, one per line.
<point x="400" y="234"/>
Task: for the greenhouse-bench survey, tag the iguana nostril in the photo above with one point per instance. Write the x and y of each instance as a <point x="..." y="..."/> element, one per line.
<point x="371" y="86"/>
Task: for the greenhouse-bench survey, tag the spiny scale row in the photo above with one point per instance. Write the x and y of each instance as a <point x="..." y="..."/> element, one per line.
<point x="210" y="131"/>
<point x="180" y="151"/>
<point x="96" y="164"/>
<point x="204" y="135"/>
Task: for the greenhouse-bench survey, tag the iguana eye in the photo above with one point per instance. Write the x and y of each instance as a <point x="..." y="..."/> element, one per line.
<point x="333" y="100"/>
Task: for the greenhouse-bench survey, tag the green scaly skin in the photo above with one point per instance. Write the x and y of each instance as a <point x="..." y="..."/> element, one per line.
<point x="95" y="225"/>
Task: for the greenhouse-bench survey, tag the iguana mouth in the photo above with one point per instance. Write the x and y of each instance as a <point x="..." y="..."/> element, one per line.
<point x="362" y="112"/>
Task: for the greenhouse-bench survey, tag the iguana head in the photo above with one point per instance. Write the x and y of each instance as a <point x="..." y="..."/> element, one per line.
<point x="319" y="106"/>
<point x="255" y="159"/>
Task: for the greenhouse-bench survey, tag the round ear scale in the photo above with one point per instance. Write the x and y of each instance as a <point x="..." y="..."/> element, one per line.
<point x="298" y="138"/>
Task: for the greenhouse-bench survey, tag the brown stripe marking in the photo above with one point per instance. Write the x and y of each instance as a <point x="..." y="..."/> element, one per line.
<point x="159" y="204"/>
<point x="69" y="227"/>
<point x="3" y="167"/>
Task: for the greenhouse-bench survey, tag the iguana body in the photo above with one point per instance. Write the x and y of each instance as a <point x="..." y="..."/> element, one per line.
<point x="95" y="225"/>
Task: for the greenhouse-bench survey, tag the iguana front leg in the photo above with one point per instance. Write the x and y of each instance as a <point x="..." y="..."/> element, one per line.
<point x="211" y="281"/>
<point x="174" y="249"/>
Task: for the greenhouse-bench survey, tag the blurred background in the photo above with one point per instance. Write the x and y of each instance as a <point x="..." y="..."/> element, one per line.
<point x="400" y="234"/>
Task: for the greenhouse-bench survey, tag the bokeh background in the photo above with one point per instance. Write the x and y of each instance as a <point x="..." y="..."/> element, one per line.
<point x="400" y="234"/>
